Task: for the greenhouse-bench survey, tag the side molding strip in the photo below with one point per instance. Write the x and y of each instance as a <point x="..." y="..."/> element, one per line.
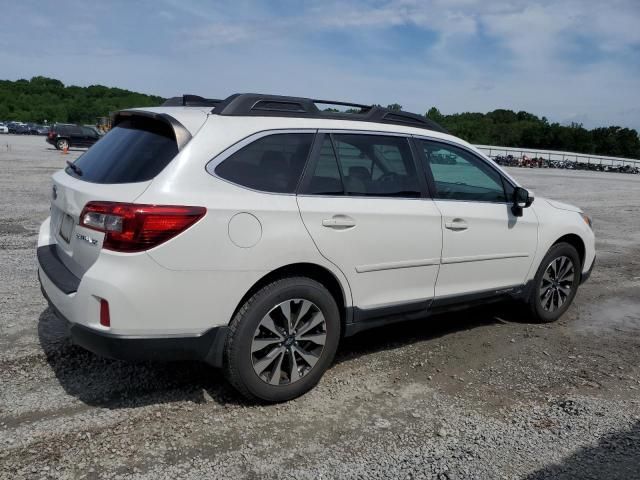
<point x="376" y="267"/>
<point x="480" y="258"/>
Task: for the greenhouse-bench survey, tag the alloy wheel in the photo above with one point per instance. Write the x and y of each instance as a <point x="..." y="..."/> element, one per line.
<point x="557" y="283"/>
<point x="288" y="342"/>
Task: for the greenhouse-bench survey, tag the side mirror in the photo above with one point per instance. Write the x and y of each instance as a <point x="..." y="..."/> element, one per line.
<point x="521" y="199"/>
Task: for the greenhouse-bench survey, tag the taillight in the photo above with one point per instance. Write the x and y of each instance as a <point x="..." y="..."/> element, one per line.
<point x="130" y="227"/>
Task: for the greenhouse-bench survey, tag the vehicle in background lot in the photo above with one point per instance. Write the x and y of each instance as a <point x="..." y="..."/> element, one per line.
<point x="4" y="128"/>
<point x="64" y="136"/>
<point x="22" y="129"/>
<point x="41" y="130"/>
<point x="255" y="232"/>
<point x="13" y="126"/>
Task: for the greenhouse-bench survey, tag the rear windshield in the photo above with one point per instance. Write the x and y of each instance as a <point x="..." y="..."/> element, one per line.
<point x="136" y="150"/>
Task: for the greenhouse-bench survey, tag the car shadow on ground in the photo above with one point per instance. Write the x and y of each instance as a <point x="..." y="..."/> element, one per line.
<point x="404" y="333"/>
<point x="115" y="384"/>
<point x="615" y="457"/>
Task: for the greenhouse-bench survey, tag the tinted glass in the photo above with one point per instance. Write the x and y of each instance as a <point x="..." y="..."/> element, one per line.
<point x="271" y="164"/>
<point x="325" y="179"/>
<point x="89" y="132"/>
<point x="459" y="175"/>
<point x="136" y="150"/>
<point x="379" y="166"/>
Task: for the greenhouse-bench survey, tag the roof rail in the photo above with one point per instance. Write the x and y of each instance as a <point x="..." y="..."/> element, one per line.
<point x="259" y="105"/>
<point x="343" y="104"/>
<point x="191" y="101"/>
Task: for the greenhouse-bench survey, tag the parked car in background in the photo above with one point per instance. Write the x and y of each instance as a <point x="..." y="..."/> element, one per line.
<point x="64" y="136"/>
<point x="22" y="129"/>
<point x="38" y="129"/>
<point x="13" y="126"/>
<point x="4" y="128"/>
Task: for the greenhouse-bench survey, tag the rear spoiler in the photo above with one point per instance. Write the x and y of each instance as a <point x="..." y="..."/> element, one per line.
<point x="181" y="133"/>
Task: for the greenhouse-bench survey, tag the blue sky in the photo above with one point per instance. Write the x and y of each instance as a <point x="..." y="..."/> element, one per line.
<point x="571" y="60"/>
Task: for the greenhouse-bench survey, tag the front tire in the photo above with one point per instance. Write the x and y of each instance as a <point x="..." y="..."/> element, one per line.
<point x="282" y="340"/>
<point x="555" y="284"/>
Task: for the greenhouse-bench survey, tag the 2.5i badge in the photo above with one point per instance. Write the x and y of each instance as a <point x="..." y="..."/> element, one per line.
<point x="91" y="241"/>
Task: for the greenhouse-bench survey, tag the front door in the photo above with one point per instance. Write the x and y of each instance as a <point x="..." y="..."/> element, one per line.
<point x="363" y="204"/>
<point x="485" y="246"/>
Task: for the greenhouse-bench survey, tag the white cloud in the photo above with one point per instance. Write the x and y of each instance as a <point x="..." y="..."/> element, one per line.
<point x="564" y="59"/>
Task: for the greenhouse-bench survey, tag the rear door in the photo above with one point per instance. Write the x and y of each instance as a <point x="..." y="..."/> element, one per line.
<point x="365" y="208"/>
<point x="118" y="168"/>
<point x="485" y="247"/>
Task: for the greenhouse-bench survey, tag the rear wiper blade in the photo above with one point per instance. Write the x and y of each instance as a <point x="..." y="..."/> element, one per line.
<point x="75" y="168"/>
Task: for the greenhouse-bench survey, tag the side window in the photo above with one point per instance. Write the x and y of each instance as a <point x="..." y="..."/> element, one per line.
<point x="88" y="132"/>
<point x="325" y="179"/>
<point x="271" y="164"/>
<point x="375" y="165"/>
<point x="459" y="175"/>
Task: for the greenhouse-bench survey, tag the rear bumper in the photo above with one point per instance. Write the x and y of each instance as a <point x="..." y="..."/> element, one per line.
<point x="207" y="347"/>
<point x="63" y="291"/>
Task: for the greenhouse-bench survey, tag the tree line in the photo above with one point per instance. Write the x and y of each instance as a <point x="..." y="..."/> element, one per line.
<point x="507" y="128"/>
<point x="43" y="98"/>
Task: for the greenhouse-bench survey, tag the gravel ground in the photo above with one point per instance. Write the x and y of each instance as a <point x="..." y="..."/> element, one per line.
<point x="475" y="395"/>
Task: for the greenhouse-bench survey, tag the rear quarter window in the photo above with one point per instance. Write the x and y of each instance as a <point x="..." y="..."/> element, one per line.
<point x="273" y="163"/>
<point x="136" y="150"/>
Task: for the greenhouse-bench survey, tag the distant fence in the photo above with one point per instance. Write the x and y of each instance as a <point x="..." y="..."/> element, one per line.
<point x="553" y="155"/>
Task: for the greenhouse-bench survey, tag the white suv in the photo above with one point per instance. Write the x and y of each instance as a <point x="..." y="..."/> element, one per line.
<point x="255" y="232"/>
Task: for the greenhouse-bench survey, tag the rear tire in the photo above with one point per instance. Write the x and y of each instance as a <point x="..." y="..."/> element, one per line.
<point x="62" y="143"/>
<point x="282" y="340"/>
<point x="555" y="284"/>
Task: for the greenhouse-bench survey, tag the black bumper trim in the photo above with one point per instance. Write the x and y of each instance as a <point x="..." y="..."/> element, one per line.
<point x="51" y="264"/>
<point x="207" y="347"/>
<point x="585" y="276"/>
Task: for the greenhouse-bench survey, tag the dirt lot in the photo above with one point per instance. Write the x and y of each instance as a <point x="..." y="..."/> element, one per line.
<point x="478" y="394"/>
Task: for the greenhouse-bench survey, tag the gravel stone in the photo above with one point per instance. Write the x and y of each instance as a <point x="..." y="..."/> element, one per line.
<point x="449" y="397"/>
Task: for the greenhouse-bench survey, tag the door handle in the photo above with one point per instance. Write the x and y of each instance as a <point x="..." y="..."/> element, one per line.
<point x="339" y="222"/>
<point x="457" y="225"/>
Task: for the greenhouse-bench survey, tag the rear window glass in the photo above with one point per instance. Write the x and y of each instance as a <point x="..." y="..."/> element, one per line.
<point x="136" y="150"/>
<point x="271" y="164"/>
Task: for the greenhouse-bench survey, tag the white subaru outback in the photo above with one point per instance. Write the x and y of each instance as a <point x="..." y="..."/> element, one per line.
<point x="255" y="232"/>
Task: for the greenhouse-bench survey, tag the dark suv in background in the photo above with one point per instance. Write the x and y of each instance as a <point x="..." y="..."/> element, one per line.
<point x="66" y="136"/>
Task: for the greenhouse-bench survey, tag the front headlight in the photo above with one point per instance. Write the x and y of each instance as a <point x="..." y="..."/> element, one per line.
<point x="587" y="220"/>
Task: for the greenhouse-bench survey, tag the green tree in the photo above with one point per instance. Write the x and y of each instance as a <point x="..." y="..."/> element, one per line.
<point x="43" y="98"/>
